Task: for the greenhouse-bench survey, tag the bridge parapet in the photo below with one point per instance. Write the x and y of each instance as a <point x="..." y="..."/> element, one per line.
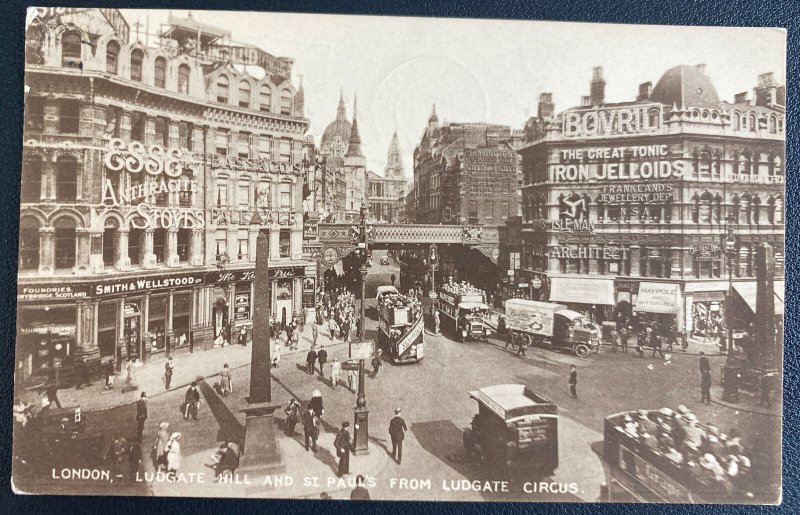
<point x="473" y="235"/>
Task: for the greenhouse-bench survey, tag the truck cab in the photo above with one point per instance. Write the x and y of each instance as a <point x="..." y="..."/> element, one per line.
<point x="471" y="321"/>
<point x="515" y="428"/>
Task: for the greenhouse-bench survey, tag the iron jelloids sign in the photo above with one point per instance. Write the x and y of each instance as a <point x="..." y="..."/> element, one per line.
<point x="632" y="163"/>
<point x="602" y="122"/>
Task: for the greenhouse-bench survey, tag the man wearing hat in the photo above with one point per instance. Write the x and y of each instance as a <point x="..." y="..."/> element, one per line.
<point x="397" y="431"/>
<point x="141" y="415"/>
<point x="310" y="428"/>
<point x="343" y="449"/>
<point x="192" y="401"/>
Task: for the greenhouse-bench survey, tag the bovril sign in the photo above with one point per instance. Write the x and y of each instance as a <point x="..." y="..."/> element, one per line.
<point x="611" y="121"/>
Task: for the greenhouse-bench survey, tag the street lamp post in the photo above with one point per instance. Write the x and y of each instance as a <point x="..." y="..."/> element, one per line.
<point x="730" y="370"/>
<point x="361" y="413"/>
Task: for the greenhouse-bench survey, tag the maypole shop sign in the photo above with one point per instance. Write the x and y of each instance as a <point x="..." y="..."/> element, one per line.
<point x="600" y="122"/>
<point x="633" y="163"/>
<point x="135" y="285"/>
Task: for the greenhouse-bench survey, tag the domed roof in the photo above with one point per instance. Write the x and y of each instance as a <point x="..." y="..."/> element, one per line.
<point x="339" y="127"/>
<point x="686" y="86"/>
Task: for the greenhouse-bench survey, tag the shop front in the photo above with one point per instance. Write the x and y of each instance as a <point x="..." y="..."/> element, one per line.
<point x="657" y="305"/>
<point x="705" y="306"/>
<point x="593" y="296"/>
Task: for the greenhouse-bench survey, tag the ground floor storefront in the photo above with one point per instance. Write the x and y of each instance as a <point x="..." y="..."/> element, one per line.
<point x="147" y="316"/>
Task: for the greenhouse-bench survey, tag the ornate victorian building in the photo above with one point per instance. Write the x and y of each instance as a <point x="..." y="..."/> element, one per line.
<point x="148" y="172"/>
<point x="644" y="207"/>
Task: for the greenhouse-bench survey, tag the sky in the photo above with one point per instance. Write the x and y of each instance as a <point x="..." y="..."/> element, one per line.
<point x="478" y="70"/>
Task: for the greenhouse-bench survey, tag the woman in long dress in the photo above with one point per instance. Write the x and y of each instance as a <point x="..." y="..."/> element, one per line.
<point x="174" y="453"/>
<point x="162" y="440"/>
<point x="225" y="380"/>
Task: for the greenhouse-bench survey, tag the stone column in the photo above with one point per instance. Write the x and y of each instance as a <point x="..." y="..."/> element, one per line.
<point x="149" y="260"/>
<point x="96" y="256"/>
<point x="146" y="342"/>
<point x="634" y="253"/>
<point x="168" y="325"/>
<point x="196" y="258"/>
<point x="47" y="250"/>
<point x="122" y="260"/>
<point x="297" y="295"/>
<point x="122" y="351"/>
<point x="172" y="258"/>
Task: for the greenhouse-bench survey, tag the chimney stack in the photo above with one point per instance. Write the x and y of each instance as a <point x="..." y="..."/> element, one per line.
<point x="766" y="93"/>
<point x="645" y="89"/>
<point x="586" y="101"/>
<point x="597" y="90"/>
<point x="546" y="106"/>
<point x="741" y="98"/>
<point x="701" y="68"/>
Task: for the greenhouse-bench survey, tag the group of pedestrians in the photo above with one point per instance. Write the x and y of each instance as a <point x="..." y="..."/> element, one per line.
<point x="336" y="312"/>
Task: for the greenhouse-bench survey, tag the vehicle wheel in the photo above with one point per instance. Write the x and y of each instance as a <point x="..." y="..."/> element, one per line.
<point x="581" y="350"/>
<point x="528" y="340"/>
<point x="463" y="336"/>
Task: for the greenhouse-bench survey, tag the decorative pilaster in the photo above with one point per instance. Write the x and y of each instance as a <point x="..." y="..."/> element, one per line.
<point x="172" y="257"/>
<point x="149" y="260"/>
<point x="196" y="257"/>
<point x="47" y="250"/>
<point x="122" y="259"/>
<point x="635" y="261"/>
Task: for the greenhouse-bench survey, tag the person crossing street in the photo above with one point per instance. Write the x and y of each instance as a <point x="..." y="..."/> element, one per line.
<point x="397" y="432"/>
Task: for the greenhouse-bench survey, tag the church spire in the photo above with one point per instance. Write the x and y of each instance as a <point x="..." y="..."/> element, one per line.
<point x="341" y="113"/>
<point x="354" y="147"/>
<point x="394" y="163"/>
<point x="433" y="117"/>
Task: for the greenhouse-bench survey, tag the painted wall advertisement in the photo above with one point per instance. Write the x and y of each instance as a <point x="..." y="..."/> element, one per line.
<point x="630" y="163"/>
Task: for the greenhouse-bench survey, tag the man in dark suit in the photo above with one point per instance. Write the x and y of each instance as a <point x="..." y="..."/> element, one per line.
<point x="322" y="358"/>
<point x="573" y="382"/>
<point x="655" y="343"/>
<point x="311" y="359"/>
<point x="343" y="449"/>
<point x="141" y="414"/>
<point x="360" y="492"/>
<point x="705" y="379"/>
<point x="192" y="401"/>
<point x="310" y="428"/>
<point x="397" y="431"/>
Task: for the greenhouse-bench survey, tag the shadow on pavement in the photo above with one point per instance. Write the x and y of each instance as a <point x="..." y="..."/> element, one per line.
<point x="230" y="429"/>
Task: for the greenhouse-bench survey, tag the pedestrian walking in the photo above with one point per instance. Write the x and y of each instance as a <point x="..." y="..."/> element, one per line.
<point x="314" y="335"/>
<point x="295" y="340"/>
<point x="109" y="373"/>
<point x="322" y="358"/>
<point x="613" y="337"/>
<point x="316" y="403"/>
<point x="276" y="353"/>
<point x="81" y="372"/>
<point x="130" y="381"/>
<point x="134" y="460"/>
<point x="311" y="359"/>
<point x="640" y="339"/>
<point x="523" y="345"/>
<point x="352" y="380"/>
<point x="336" y="369"/>
<point x="310" y="424"/>
<point x="290" y="332"/>
<point x="118" y="458"/>
<point x="159" y="453"/>
<point x="191" y="402"/>
<point x="52" y="396"/>
<point x="283" y="337"/>
<point x="705" y="379"/>
<point x="169" y="369"/>
<point x="397" y="432"/>
<point x="684" y="341"/>
<point x="343" y="449"/>
<point x="225" y="385"/>
<point x="303" y="319"/>
<point x="333" y="328"/>
<point x="655" y="343"/>
<point x="623" y="339"/>
<point x="292" y="417"/>
<point x="243" y="336"/>
<point x="174" y="453"/>
<point x="393" y="279"/>
<point x="360" y="492"/>
<point x="141" y="415"/>
<point x="765" y="385"/>
<point x="436" y="321"/>
<point x="376" y="364"/>
<point x="573" y="382"/>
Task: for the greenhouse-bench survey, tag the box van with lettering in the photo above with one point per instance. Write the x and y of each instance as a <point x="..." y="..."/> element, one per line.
<point x="546" y="324"/>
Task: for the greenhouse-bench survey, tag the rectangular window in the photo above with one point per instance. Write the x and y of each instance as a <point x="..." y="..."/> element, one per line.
<point x="221" y="248"/>
<point x="242" y="253"/>
<point x="135" y="243"/>
<point x="263" y="195"/>
<point x="473" y="208"/>
<point x="69" y="117"/>
<point x="244" y="144"/>
<point x="162" y="131"/>
<point x="243" y="195"/>
<point x="67" y="180"/>
<point x="31" y="187"/>
<point x="221" y="143"/>
<point x="285" y="195"/>
<point x="109" y="246"/>
<point x="64" y="248"/>
<point x="284" y="243"/>
<point x="265" y="148"/>
<point x="113" y="119"/>
<point x="222" y="192"/>
<point x="34" y="114"/>
<point x="160" y="244"/>
<point x="185" y="130"/>
<point x="184" y="244"/>
<point x="138" y="122"/>
<point x="504" y="212"/>
<point x="185" y="190"/>
<point x="286" y="151"/>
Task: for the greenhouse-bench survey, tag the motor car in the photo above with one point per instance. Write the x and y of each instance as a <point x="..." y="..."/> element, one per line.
<point x="384" y="260"/>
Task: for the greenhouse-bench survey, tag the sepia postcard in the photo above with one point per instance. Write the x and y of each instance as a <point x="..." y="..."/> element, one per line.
<point x="272" y="255"/>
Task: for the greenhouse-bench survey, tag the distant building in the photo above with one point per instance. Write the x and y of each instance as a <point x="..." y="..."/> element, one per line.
<point x="385" y="191"/>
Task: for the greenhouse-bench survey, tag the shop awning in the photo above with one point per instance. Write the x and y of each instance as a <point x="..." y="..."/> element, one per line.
<point x="658" y="298"/>
<point x="747" y="291"/>
<point x="582" y="290"/>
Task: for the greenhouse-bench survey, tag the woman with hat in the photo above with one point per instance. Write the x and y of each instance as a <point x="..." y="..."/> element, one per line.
<point x="160" y="446"/>
<point x="316" y="403"/>
<point x="225" y="380"/>
<point x="174" y="453"/>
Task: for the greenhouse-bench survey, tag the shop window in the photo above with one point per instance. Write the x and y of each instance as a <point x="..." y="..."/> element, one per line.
<point x="265" y="99"/>
<point x="263" y="195"/>
<point x="138" y="122"/>
<point x="614" y="212"/>
<point x="113" y="119"/>
<point x="31" y="185"/>
<point x="286" y="102"/>
<point x="286" y="150"/>
<point x="184" y="244"/>
<point x="71" y="50"/>
<point x="265" y="148"/>
<point x="156" y="324"/>
<point x="222" y="89"/>
<point x="34" y="114"/>
<point x="137" y="58"/>
<point x="242" y="250"/>
<point x="51" y="332"/>
<point x="183" y="79"/>
<point x="717" y="208"/>
<point x="160" y="244"/>
<point x="244" y="94"/>
<point x="181" y="318"/>
<point x="135" y="246"/>
<point x="221" y="143"/>
<point x="185" y="130"/>
<point x="162" y="131"/>
<point x="69" y="117"/>
<point x="107" y="328"/>
<point x="160" y="72"/>
<point x="28" y="245"/>
<point x="66" y="179"/>
<point x="285" y="196"/>
<point x="65" y="244"/>
<point x="243" y="193"/>
<point x="221" y="194"/>
<point x="244" y="145"/>
<point x="109" y="246"/>
<point x="488" y="209"/>
<point x="112" y="57"/>
<point x="284" y="243"/>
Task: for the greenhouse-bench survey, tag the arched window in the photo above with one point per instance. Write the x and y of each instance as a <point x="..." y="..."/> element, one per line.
<point x="705" y="208"/>
<point x="744" y="208"/>
<point x="286" y="102"/>
<point x="71" y="49"/>
<point x="743" y="164"/>
<point x="183" y="78"/>
<point x="160" y="244"/>
<point x="737" y="122"/>
<point x="66" y="179"/>
<point x="137" y="58"/>
<point x="65" y="243"/>
<point x="654" y="118"/>
<point x="28" y="244"/>
<point x="752" y="123"/>
<point x="777" y="216"/>
<point x="695" y="208"/>
<point x="772" y="124"/>
<point x="31" y="187"/>
<point x="717" y="208"/>
<point x="160" y="72"/>
<point x="184" y="244"/>
<point x="756" y="209"/>
<point x="136" y="244"/>
<point x="222" y="89"/>
<point x="244" y="94"/>
<point x="265" y="98"/>
<point x="112" y="57"/>
<point x="735" y="207"/>
<point x="110" y="242"/>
